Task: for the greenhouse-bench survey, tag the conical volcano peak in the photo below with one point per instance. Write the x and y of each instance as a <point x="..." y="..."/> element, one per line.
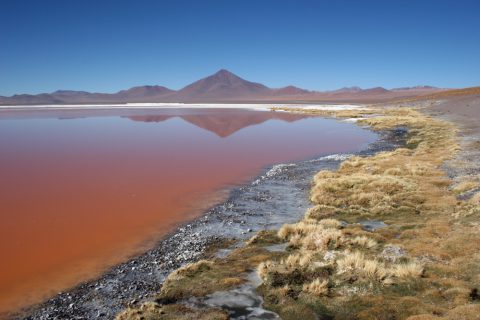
<point x="224" y="75"/>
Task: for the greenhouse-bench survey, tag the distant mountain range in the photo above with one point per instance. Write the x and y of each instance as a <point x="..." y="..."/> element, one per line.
<point x="223" y="86"/>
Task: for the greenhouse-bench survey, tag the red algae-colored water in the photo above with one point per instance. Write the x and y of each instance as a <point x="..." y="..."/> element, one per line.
<point x="83" y="190"/>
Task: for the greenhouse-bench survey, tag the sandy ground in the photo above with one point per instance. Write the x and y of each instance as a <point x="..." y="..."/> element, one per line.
<point x="464" y="111"/>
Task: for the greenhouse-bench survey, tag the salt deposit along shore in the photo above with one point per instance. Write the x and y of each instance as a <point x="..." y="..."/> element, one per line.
<point x="252" y="106"/>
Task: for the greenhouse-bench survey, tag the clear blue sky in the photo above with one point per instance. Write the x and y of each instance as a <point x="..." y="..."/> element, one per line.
<point x="108" y="45"/>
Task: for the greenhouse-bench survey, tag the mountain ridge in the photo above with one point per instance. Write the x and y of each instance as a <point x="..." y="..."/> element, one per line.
<point x="222" y="86"/>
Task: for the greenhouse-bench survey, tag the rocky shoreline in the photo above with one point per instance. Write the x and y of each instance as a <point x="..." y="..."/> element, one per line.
<point x="279" y="196"/>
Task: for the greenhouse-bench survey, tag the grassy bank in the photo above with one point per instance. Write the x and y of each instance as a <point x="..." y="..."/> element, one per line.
<point x="424" y="264"/>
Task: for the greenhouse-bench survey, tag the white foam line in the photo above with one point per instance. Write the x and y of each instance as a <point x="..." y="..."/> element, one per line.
<point x="335" y="107"/>
<point x="335" y="157"/>
<point x="139" y="106"/>
<point x="279" y="168"/>
<point x="353" y="120"/>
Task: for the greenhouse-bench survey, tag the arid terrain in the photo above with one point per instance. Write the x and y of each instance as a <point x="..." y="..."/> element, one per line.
<point x="240" y="160"/>
<point x="416" y="258"/>
<point x="390" y="233"/>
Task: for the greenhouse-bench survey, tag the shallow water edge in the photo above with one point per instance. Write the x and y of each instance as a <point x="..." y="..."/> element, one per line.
<point x="278" y="196"/>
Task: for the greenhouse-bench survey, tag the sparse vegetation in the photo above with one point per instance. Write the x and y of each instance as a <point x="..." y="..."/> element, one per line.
<point x="154" y="311"/>
<point x="317" y="287"/>
<point x="425" y="264"/>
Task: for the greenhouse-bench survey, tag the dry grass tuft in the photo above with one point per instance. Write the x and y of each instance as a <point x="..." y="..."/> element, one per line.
<point x="154" y="311"/>
<point x="190" y="269"/>
<point x="330" y="223"/>
<point x="355" y="263"/>
<point x="364" y="242"/>
<point x="424" y="317"/>
<point x="362" y="192"/>
<point x="317" y="287"/>
<point x="465" y="186"/>
<point x="297" y="261"/>
<point x="465" y="312"/>
<point x="322" y="240"/>
<point x="264" y="268"/>
<point x="320" y="212"/>
<point x="408" y="270"/>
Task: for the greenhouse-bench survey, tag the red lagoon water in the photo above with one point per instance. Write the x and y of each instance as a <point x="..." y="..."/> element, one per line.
<point x="83" y="190"/>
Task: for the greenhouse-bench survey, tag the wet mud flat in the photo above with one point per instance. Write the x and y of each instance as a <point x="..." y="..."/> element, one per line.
<point x="278" y="196"/>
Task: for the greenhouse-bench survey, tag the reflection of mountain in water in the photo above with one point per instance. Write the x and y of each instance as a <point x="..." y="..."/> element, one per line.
<point x="223" y="123"/>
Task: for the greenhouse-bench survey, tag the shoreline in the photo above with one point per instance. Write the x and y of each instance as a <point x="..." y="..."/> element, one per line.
<point x="261" y="106"/>
<point x="139" y="278"/>
<point x="419" y="261"/>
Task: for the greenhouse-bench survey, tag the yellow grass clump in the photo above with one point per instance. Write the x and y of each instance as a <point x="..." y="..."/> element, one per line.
<point x="322" y="240"/>
<point x="408" y="270"/>
<point x="330" y="223"/>
<point x="303" y="227"/>
<point x="154" y="311"/>
<point x="356" y="263"/>
<point x="362" y="193"/>
<point x="297" y="260"/>
<point x="464" y="186"/>
<point x="190" y="269"/>
<point x="264" y="267"/>
<point x="364" y="241"/>
<point x="320" y="212"/>
<point x="317" y="287"/>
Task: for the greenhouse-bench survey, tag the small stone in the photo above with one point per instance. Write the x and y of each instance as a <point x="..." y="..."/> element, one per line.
<point x="392" y="253"/>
